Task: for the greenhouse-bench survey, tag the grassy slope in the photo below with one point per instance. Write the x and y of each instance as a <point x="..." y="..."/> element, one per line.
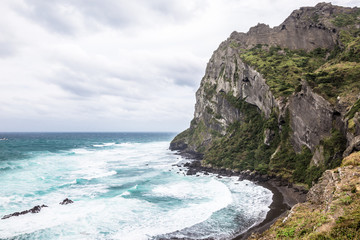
<point x="338" y="217"/>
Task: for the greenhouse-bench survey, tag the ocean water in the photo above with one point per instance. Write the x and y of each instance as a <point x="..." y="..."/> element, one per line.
<point x="124" y="186"/>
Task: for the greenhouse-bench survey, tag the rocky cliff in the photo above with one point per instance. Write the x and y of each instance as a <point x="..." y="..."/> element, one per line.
<point x="282" y="100"/>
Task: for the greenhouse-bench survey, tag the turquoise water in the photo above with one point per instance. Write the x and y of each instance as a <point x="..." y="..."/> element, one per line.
<point x="124" y="186"/>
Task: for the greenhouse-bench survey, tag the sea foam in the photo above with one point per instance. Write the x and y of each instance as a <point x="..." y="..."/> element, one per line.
<point x="122" y="190"/>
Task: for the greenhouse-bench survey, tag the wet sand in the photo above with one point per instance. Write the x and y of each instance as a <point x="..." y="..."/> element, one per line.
<point x="283" y="199"/>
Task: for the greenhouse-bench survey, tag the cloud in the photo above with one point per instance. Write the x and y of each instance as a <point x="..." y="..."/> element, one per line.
<point x="65" y="16"/>
<point x="115" y="65"/>
<point x="7" y="49"/>
<point x="51" y="14"/>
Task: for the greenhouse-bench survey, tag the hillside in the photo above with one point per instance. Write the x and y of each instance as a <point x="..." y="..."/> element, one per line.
<point x="332" y="210"/>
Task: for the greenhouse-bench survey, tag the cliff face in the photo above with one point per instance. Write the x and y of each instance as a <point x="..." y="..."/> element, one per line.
<point x="281" y="100"/>
<point x="311" y="118"/>
<point x="305" y="28"/>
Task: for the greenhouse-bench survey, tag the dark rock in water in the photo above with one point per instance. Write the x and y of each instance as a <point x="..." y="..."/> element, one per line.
<point x="35" y="209"/>
<point x="191" y="172"/>
<point x="195" y="163"/>
<point x="66" y="201"/>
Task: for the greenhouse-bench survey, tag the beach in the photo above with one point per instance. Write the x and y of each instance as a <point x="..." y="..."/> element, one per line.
<point x="285" y="195"/>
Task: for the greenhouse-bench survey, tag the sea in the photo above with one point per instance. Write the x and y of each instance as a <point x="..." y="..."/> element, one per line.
<point x="123" y="186"/>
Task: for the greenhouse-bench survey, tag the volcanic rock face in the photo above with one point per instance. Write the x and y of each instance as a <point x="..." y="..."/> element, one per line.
<point x="311" y="118"/>
<point x="307" y="28"/>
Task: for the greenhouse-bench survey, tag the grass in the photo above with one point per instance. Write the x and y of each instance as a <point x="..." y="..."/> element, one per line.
<point x="343" y="20"/>
<point x="352" y="160"/>
<point x="283" y="68"/>
<point x="333" y="80"/>
<point x="331" y="73"/>
<point x="354" y="109"/>
<point x="338" y="218"/>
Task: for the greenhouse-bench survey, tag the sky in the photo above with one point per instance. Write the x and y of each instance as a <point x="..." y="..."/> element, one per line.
<point x="115" y="65"/>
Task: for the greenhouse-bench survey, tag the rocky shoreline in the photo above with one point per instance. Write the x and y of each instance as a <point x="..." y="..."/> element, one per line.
<point x="285" y="194"/>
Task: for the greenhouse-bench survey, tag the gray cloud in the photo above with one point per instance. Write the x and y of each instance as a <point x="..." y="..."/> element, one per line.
<point x="115" y="13"/>
<point x="184" y="74"/>
<point x="115" y="65"/>
<point x="81" y="85"/>
<point x="7" y="49"/>
<point x="48" y="14"/>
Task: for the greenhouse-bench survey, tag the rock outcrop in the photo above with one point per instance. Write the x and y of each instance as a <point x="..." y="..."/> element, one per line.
<point x="306" y="28"/>
<point x="35" y="209"/>
<point x="66" y="201"/>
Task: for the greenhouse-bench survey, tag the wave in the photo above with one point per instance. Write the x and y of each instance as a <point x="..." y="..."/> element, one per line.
<point x="119" y="192"/>
<point x="104" y="144"/>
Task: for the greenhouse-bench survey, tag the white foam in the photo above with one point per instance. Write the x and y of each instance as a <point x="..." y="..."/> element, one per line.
<point x="104" y="144"/>
<point x="101" y="175"/>
<point x="127" y="215"/>
<point x="213" y="196"/>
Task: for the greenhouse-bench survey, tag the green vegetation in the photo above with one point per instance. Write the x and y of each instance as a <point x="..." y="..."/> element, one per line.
<point x="334" y="146"/>
<point x="283" y="69"/>
<point x="296" y="166"/>
<point x="291" y="165"/>
<point x="343" y="20"/>
<point x="243" y="146"/>
<point x="352" y="160"/>
<point x="209" y="90"/>
<point x="354" y="109"/>
<point x="330" y="73"/>
<point x="338" y="218"/>
<point x="332" y="80"/>
<point x="195" y="134"/>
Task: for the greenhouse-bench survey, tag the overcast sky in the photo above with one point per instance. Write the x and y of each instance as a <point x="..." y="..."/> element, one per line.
<point x="115" y="65"/>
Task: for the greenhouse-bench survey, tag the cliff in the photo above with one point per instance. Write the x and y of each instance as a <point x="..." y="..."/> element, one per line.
<point x="282" y="101"/>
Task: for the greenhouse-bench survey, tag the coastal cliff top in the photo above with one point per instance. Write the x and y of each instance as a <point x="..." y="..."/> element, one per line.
<point x="306" y="28"/>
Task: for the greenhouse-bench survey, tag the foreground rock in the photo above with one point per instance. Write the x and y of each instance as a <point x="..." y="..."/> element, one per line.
<point x="35" y="209"/>
<point x="66" y="201"/>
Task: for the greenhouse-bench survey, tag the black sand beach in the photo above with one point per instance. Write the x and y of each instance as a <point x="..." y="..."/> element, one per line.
<point x="285" y="195"/>
<point x="283" y="199"/>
